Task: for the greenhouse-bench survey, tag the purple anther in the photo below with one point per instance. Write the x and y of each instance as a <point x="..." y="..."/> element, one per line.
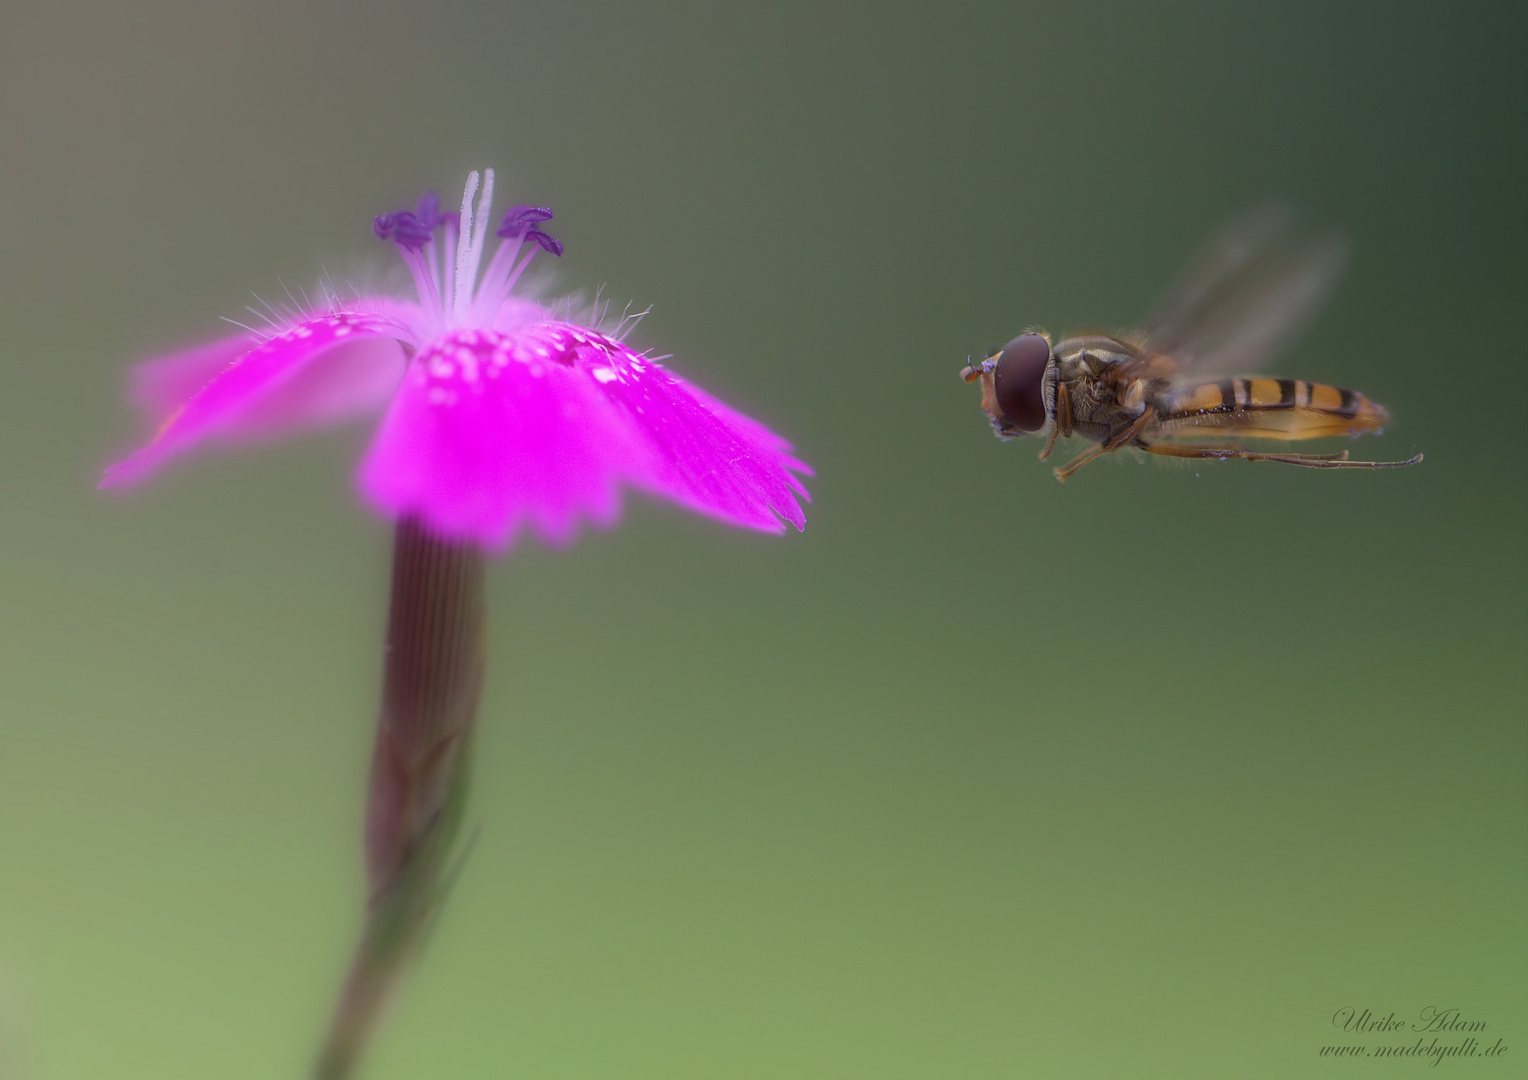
<point x="519" y="219"/>
<point x="546" y="240"/>
<point x="428" y="211"/>
<point x="403" y="228"/>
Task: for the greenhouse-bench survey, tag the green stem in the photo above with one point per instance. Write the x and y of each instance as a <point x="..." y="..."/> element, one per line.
<point x="433" y="671"/>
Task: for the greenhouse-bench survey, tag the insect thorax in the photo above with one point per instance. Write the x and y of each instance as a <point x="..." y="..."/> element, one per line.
<point x="1093" y="395"/>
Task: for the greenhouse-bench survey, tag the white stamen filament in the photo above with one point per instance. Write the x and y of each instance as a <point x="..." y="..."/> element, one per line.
<point x="469" y="252"/>
<point x="431" y="252"/>
<point x="464" y="238"/>
<point x="481" y="223"/>
<point x="519" y="269"/>
<point x="445" y="268"/>
<point x="492" y="290"/>
<point x="448" y="237"/>
<point x="424" y="281"/>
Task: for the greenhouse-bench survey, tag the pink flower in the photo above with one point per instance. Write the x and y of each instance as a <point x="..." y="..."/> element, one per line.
<point x="496" y="412"/>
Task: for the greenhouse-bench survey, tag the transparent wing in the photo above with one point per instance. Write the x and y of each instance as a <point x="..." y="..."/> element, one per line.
<point x="1243" y="298"/>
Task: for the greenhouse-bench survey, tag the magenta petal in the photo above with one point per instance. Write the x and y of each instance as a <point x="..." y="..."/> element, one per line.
<point x="490" y="431"/>
<point x="319" y="370"/>
<point x="750" y="429"/>
<point x="702" y="454"/>
<point x="161" y="386"/>
<point x="354" y="378"/>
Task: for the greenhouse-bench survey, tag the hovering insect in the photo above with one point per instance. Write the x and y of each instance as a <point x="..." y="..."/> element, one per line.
<point x="1173" y="388"/>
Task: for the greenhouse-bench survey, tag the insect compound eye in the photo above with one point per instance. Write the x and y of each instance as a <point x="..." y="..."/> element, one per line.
<point x="1017" y="381"/>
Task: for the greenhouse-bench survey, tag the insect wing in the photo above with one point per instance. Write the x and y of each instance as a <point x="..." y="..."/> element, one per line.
<point x="1217" y="263"/>
<point x="1250" y="291"/>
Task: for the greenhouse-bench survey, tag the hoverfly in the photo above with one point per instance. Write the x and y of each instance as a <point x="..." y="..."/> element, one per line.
<point x="1178" y="387"/>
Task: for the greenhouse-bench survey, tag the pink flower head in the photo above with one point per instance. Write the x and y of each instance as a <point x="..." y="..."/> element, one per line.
<point x="496" y="412"/>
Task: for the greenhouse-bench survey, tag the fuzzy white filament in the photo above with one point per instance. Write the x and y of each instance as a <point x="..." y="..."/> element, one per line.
<point x="464" y="242"/>
<point x="474" y="234"/>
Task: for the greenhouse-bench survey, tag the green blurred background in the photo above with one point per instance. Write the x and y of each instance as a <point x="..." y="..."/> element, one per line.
<point x="982" y="776"/>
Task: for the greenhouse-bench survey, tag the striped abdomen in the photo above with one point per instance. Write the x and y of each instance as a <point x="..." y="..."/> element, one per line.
<point x="1268" y="409"/>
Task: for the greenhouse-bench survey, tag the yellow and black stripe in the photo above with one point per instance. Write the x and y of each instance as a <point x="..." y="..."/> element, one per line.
<point x="1270" y="408"/>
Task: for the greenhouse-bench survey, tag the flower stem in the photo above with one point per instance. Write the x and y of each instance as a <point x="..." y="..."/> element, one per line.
<point x="433" y="670"/>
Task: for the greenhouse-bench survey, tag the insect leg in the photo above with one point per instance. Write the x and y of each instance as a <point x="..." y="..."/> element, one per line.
<point x="1332" y="461"/>
<point x="1050" y="442"/>
<point x="1129" y="434"/>
<point x="1228" y="451"/>
<point x="1061" y="423"/>
<point x="1066" y="472"/>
